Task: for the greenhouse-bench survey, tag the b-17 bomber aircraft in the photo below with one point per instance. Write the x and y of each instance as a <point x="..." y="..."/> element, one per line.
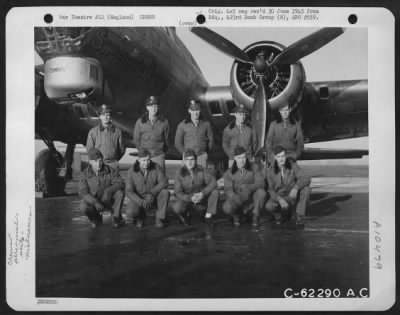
<point x="121" y="66"/>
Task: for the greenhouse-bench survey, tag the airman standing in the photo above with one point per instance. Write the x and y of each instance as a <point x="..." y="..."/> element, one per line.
<point x="195" y="134"/>
<point x="107" y="138"/>
<point x="239" y="133"/>
<point x="151" y="132"/>
<point x="286" y="132"/>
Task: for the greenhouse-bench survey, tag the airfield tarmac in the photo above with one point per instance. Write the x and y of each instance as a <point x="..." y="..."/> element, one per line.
<point x="75" y="260"/>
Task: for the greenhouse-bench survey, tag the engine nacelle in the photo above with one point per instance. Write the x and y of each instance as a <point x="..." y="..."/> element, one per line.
<point x="68" y="79"/>
<point x="283" y="84"/>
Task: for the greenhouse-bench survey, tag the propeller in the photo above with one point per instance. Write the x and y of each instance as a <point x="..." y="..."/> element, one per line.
<point x="262" y="66"/>
<point x="221" y="43"/>
<point x="259" y="112"/>
<point x="307" y="45"/>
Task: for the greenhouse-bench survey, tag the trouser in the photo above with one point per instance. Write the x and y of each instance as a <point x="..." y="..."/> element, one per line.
<point x="233" y="204"/>
<point x="113" y="163"/>
<point x="160" y="160"/>
<point x="134" y="210"/>
<point x="298" y="204"/>
<point x="115" y="203"/>
<point x="180" y="206"/>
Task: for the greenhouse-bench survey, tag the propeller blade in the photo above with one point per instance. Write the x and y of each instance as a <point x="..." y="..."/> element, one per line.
<point x="221" y="43"/>
<point x="259" y="113"/>
<point x="307" y="45"/>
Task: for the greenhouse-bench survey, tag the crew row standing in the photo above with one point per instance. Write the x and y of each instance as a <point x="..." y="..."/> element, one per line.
<point x="193" y="133"/>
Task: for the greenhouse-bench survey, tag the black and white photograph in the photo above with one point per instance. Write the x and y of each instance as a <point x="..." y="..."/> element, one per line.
<point x="203" y="160"/>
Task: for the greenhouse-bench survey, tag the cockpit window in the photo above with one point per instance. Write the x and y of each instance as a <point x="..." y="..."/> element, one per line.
<point x="215" y="108"/>
<point x="231" y="106"/>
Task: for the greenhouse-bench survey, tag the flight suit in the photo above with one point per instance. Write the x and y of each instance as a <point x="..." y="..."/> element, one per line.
<point x="281" y="182"/>
<point x="92" y="188"/>
<point x="186" y="185"/>
<point x="198" y="138"/>
<point x="109" y="141"/>
<point x="244" y="136"/>
<point x="288" y="135"/>
<point x="244" y="188"/>
<point x="152" y="136"/>
<point x="151" y="187"/>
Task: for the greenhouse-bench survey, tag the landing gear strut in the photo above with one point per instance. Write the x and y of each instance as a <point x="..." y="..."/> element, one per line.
<point x="52" y="171"/>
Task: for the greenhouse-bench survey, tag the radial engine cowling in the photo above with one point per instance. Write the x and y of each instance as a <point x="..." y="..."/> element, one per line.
<point x="283" y="84"/>
<point x="68" y="79"/>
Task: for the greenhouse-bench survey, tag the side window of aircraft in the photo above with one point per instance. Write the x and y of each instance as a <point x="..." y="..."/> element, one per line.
<point x="324" y="92"/>
<point x="78" y="111"/>
<point x="231" y="106"/>
<point x="215" y="109"/>
<point x="92" y="112"/>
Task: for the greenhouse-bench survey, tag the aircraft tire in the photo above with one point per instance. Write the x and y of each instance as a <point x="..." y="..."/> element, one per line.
<point x="46" y="179"/>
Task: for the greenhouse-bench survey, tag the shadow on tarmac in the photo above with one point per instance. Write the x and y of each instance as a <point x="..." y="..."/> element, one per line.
<point x="325" y="205"/>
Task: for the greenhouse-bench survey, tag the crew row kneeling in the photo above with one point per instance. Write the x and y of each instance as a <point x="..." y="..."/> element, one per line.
<point x="247" y="188"/>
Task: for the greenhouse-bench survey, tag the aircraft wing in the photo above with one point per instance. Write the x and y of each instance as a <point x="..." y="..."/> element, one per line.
<point x="329" y="154"/>
<point x="334" y="110"/>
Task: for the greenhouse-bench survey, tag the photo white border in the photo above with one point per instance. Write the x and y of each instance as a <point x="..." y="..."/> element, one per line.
<point x="20" y="196"/>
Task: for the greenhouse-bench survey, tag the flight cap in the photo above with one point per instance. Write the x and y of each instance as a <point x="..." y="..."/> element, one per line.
<point x="238" y="150"/>
<point x="95" y="154"/>
<point x="152" y="100"/>
<point x="241" y="109"/>
<point x="194" y="105"/>
<point x="189" y="153"/>
<point x="278" y="149"/>
<point x="104" y="109"/>
<point x="143" y="153"/>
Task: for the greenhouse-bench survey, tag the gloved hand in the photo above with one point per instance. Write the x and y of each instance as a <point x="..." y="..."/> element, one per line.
<point x="293" y="194"/>
<point x="245" y="194"/>
<point x="146" y="202"/>
<point x="283" y="203"/>
<point x="106" y="196"/>
<point x="195" y="198"/>
<point x="99" y="206"/>
<point x="150" y="198"/>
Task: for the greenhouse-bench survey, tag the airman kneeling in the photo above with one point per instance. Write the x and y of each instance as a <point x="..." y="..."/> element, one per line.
<point x="194" y="188"/>
<point x="146" y="186"/>
<point x="288" y="187"/>
<point x="101" y="188"/>
<point x="244" y="189"/>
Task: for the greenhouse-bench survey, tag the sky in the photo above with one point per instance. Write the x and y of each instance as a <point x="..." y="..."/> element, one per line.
<point x="345" y="58"/>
